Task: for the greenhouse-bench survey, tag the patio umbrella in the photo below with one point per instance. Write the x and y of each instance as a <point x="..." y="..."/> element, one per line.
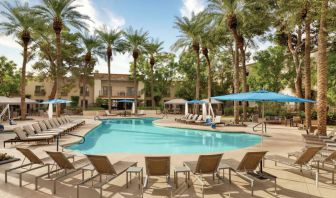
<point x="262" y="96"/>
<point x="125" y="101"/>
<point x="54" y="101"/>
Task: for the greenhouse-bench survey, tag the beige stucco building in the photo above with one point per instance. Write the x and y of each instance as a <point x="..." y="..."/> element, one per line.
<point x="97" y="87"/>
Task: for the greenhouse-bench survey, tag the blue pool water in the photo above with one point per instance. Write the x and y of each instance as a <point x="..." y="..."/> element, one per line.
<point x="141" y="136"/>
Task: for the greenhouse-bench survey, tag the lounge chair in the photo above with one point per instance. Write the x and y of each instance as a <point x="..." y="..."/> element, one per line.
<point x="158" y="166"/>
<point x="246" y="168"/>
<point x="183" y="117"/>
<point x="78" y="122"/>
<point x="187" y="118"/>
<point x="55" y="124"/>
<point x="193" y="119"/>
<point x="205" y="165"/>
<point x="39" y="130"/>
<point x="107" y="113"/>
<point x="66" y="166"/>
<point x="34" y="163"/>
<point x="301" y="161"/>
<point x="199" y="118"/>
<point x="62" y="122"/>
<point x="141" y="113"/>
<point x="51" y="126"/>
<point x="31" y="131"/>
<point x="103" y="167"/>
<point x="22" y="137"/>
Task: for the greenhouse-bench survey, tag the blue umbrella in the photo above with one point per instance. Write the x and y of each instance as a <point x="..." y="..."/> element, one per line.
<point x="262" y="96"/>
<point x="125" y="101"/>
<point x="56" y="101"/>
<point x="196" y="102"/>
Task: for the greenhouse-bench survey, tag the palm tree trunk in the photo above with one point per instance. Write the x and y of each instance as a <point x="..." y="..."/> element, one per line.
<point x="244" y="80"/>
<point x="135" y="84"/>
<point x="23" y="83"/>
<point x="307" y="73"/>
<point x="110" y="84"/>
<point x="152" y="86"/>
<point x="209" y="77"/>
<point x="236" y="84"/>
<point x="84" y="92"/>
<point x="322" y="71"/>
<point x="59" y="65"/>
<point x="197" y="79"/>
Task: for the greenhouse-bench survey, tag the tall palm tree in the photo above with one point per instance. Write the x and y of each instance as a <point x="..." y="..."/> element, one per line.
<point x="20" y="23"/>
<point x="153" y="48"/>
<point x="91" y="45"/>
<point x="112" y="42"/>
<point x="61" y="13"/>
<point x="190" y="30"/>
<point x="322" y="70"/>
<point x="226" y="12"/>
<point x="135" y="41"/>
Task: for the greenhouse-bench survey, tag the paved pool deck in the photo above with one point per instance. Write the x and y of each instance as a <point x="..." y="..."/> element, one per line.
<point x="278" y="140"/>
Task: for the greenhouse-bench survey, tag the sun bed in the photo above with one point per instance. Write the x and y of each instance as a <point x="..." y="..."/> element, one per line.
<point x="199" y="118"/>
<point x="187" y="118"/>
<point x="78" y="122"/>
<point x="54" y="123"/>
<point x="31" y="131"/>
<point x="205" y="165"/>
<point x="34" y="163"/>
<point x="192" y="119"/>
<point x="22" y="137"/>
<point x="104" y="167"/>
<point x="158" y="166"/>
<point x="39" y="130"/>
<point x="183" y="117"/>
<point x="49" y="126"/>
<point x="246" y="168"/>
<point x="107" y="113"/>
<point x="63" y="164"/>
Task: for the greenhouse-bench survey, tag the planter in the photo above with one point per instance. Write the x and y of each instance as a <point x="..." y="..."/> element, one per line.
<point x="9" y="161"/>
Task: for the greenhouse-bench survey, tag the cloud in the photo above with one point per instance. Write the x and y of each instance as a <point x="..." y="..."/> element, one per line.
<point x="190" y="6"/>
<point x="98" y="17"/>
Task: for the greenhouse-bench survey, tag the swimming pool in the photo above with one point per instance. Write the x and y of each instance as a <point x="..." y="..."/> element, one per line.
<point x="141" y="136"/>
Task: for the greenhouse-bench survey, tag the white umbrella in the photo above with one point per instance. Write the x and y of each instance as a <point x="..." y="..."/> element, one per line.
<point x="50" y="111"/>
<point x="133" y="107"/>
<point x="204" y="110"/>
<point x="186" y="109"/>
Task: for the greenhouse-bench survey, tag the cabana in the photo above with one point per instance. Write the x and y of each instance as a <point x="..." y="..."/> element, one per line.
<point x="54" y="101"/>
<point x="6" y="101"/>
<point x="175" y="102"/>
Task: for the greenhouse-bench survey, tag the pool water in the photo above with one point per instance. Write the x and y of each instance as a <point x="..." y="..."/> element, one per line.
<point x="141" y="136"/>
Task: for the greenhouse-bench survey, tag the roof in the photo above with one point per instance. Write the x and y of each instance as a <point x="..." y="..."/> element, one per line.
<point x="114" y="77"/>
<point x="176" y="101"/>
<point x="15" y="100"/>
<point x="213" y="101"/>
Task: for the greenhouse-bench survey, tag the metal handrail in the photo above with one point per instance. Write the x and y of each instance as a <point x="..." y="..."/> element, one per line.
<point x="58" y="136"/>
<point x="263" y="126"/>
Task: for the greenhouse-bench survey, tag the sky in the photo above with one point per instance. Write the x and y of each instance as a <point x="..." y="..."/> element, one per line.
<point x="155" y="16"/>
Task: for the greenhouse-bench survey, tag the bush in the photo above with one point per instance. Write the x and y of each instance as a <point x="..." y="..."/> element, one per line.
<point x="75" y="101"/>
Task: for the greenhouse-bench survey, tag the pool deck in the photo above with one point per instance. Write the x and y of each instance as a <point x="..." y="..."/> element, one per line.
<point x="279" y="140"/>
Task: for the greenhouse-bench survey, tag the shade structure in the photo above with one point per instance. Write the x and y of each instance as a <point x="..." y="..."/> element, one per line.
<point x="133" y="107"/>
<point x="204" y="111"/>
<point x="56" y="101"/>
<point x="176" y="101"/>
<point x="261" y="96"/>
<point x="125" y="101"/>
<point x="186" y="111"/>
<point x="50" y="111"/>
<point x="15" y="100"/>
<point x="196" y="102"/>
<point x="213" y="101"/>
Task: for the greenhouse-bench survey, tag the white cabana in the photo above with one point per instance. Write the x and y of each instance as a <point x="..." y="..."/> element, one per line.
<point x="213" y="101"/>
<point x="12" y="101"/>
<point x="176" y="101"/>
<point x="204" y="111"/>
<point x="186" y="109"/>
<point x="133" y="107"/>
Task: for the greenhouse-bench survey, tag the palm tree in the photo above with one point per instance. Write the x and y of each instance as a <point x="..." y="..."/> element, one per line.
<point x="153" y="48"/>
<point x="91" y="45"/>
<point x="61" y="13"/>
<point x="135" y="41"/>
<point x="226" y="11"/>
<point x="19" y="22"/>
<point x="322" y="71"/>
<point x="190" y="30"/>
<point x="112" y="42"/>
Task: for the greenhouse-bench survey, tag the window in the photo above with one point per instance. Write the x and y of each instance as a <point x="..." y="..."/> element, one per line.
<point x="130" y="91"/>
<point x="86" y="103"/>
<point x="87" y="91"/>
<point x="39" y="90"/>
<point x="105" y="91"/>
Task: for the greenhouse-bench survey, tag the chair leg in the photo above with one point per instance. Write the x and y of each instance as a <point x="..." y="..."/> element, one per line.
<point x="101" y="192"/>
<point x="6" y="172"/>
<point x="77" y="191"/>
<point x="20" y="180"/>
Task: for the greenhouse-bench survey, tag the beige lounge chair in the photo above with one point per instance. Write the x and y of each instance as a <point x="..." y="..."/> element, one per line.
<point x="65" y="167"/>
<point x="39" y="130"/>
<point x="193" y="119"/>
<point x="49" y="126"/>
<point x="34" y="163"/>
<point x="158" y="166"/>
<point x="205" y="165"/>
<point x="31" y="131"/>
<point x="22" y="137"/>
<point x="246" y="168"/>
<point x="104" y="167"/>
<point x="107" y="113"/>
<point x="183" y="117"/>
<point x="199" y="119"/>
<point x="186" y="118"/>
<point x="79" y="122"/>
